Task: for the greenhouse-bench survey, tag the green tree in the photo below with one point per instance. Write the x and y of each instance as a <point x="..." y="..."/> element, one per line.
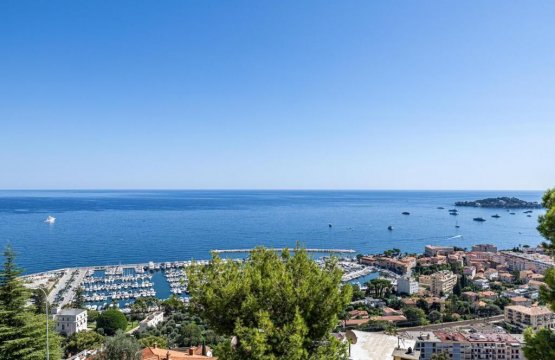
<point x="546" y="222"/>
<point x="434" y="316"/>
<point x="83" y="340"/>
<point x="172" y="304"/>
<point x="39" y="299"/>
<point x="111" y="321"/>
<point x="92" y="315"/>
<point x="276" y="307"/>
<point x="415" y="315"/>
<point x="152" y="341"/>
<point x="379" y="288"/>
<point x="441" y="356"/>
<point x="539" y="346"/>
<point x="191" y="334"/>
<point x="79" y="300"/>
<point x="121" y="347"/>
<point x="22" y="331"/>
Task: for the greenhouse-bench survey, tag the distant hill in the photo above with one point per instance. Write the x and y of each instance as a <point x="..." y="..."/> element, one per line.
<point x="501" y="202"/>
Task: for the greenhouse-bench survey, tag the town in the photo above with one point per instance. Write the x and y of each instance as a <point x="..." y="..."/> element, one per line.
<point x="447" y="299"/>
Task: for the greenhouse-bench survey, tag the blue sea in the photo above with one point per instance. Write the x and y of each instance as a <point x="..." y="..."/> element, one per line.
<point x="113" y="227"/>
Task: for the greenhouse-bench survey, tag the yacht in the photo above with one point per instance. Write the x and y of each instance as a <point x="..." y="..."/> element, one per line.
<point x="479" y="219"/>
<point x="390" y="228"/>
<point x="496" y="216"/>
<point x="50" y="220"/>
<point x="405" y="213"/>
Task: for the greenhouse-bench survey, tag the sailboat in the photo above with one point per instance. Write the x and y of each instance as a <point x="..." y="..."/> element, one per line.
<point x="50" y="220"/>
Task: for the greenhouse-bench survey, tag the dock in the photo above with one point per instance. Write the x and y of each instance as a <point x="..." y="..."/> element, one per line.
<point x="336" y="251"/>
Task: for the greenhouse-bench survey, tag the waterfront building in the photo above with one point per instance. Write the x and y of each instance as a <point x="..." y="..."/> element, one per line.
<point x="400" y="266"/>
<point x="407" y="285"/>
<point x="535" y="317"/>
<point x="517" y="261"/>
<point x="431" y="250"/>
<point x="484" y="248"/>
<point x="443" y="282"/>
<point x="152" y="320"/>
<point x="467" y="344"/>
<point x="71" y="321"/>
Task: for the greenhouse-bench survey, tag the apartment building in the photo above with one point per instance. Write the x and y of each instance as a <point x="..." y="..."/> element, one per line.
<point x="536" y="317"/>
<point x="467" y="344"/>
<point x="538" y="263"/>
<point x="442" y="282"/>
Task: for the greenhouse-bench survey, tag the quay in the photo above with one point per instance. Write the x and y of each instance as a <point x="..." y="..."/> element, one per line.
<point x="337" y="251"/>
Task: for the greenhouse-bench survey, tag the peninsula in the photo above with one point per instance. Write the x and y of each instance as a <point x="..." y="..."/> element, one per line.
<point x="501" y="202"/>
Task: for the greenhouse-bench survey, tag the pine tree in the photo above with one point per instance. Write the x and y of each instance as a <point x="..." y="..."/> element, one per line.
<point x="22" y="332"/>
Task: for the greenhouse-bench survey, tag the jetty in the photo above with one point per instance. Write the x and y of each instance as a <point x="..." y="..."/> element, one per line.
<point x="337" y="251"/>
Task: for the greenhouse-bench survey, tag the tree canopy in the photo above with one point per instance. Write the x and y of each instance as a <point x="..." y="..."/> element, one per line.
<point x="121" y="347"/>
<point x="22" y="331"/>
<point x="275" y="307"/>
<point x="111" y="321"/>
<point x="83" y="340"/>
<point x="539" y="346"/>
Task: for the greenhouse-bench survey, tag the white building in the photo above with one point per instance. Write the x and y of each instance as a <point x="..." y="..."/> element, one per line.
<point x="152" y="320"/>
<point x="71" y="321"/>
<point x="407" y="285"/>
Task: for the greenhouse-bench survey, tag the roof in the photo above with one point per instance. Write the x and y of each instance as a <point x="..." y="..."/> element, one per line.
<point x="66" y="312"/>
<point x="151" y="353"/>
<point x="533" y="310"/>
<point x="376" y="346"/>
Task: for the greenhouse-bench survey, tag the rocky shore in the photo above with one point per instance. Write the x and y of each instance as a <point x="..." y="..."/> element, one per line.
<point x="501" y="202"/>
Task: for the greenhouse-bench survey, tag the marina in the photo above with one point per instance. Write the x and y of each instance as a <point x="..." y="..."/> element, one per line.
<point x="121" y="285"/>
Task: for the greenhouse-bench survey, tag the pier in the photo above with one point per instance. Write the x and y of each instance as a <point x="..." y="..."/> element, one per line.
<point x="337" y="251"/>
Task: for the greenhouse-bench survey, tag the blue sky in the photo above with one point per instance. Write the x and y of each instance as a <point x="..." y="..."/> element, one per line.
<point x="277" y="94"/>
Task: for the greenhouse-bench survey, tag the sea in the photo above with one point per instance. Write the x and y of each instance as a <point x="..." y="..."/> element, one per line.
<point x="124" y="227"/>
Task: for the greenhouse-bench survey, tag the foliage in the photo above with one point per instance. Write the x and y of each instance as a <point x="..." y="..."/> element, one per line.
<point x="92" y="315"/>
<point x="539" y="346"/>
<point x="172" y="304"/>
<point x="22" y="331"/>
<point x="441" y="356"/>
<point x="121" y="347"/>
<point x="379" y="288"/>
<point x="38" y="298"/>
<point x="357" y="293"/>
<point x="175" y="330"/>
<point x="434" y="316"/>
<point x="151" y="341"/>
<point x="276" y="307"/>
<point x="143" y="304"/>
<point x="111" y="321"/>
<point x="79" y="300"/>
<point x="83" y="340"/>
<point x="546" y="222"/>
<point x="415" y="315"/>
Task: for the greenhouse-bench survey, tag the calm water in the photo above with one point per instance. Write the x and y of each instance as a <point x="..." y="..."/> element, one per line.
<point x="111" y="227"/>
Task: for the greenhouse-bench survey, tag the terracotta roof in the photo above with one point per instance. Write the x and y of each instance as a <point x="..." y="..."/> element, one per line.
<point x="534" y="310"/>
<point x="151" y="353"/>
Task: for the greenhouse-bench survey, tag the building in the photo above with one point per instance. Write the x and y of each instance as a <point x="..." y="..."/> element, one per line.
<point x="536" y="317"/>
<point x="538" y="263"/>
<point x="467" y="344"/>
<point x="407" y="285"/>
<point x="431" y="250"/>
<point x="193" y="353"/>
<point x="71" y="321"/>
<point x="484" y="248"/>
<point x="469" y="271"/>
<point x="400" y="266"/>
<point x="152" y="320"/>
<point x="443" y="282"/>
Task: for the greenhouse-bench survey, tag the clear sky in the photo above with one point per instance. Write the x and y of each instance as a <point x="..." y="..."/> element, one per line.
<point x="277" y="94"/>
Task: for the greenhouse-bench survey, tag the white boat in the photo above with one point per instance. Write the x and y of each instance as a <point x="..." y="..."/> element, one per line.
<point x="50" y="220"/>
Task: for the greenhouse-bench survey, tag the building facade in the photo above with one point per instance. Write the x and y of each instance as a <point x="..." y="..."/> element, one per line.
<point x="536" y="317"/>
<point x="407" y="285"/>
<point x="443" y="282"/>
<point x="71" y="321"/>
